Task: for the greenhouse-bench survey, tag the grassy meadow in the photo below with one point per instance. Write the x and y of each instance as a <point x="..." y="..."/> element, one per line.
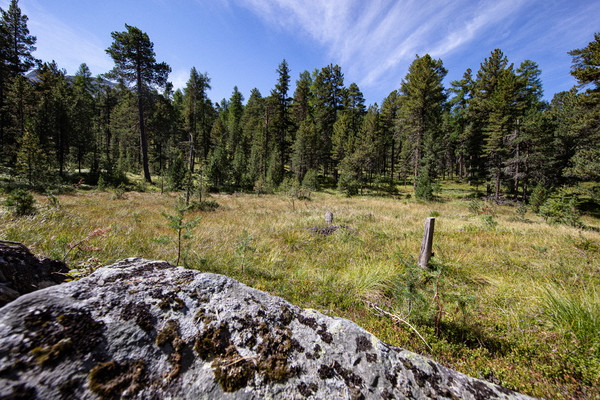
<point x="508" y="297"/>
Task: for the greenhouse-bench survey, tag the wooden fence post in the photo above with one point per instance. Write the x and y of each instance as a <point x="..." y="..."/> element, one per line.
<point x="425" y="253"/>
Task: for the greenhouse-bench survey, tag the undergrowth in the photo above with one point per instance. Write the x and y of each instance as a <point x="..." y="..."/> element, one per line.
<point x="511" y="300"/>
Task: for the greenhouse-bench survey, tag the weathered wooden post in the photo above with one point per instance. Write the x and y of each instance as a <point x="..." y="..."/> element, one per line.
<point x="328" y="217"/>
<point x="425" y="253"/>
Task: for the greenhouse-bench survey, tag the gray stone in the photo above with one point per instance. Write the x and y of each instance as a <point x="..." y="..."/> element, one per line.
<point x="148" y="330"/>
<point x="21" y="272"/>
<point x="329" y="217"/>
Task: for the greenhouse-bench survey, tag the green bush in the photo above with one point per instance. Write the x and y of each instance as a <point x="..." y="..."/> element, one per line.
<point x="311" y="180"/>
<point x="424" y="187"/>
<point x="538" y="197"/>
<point x="348" y="185"/>
<point x="275" y="171"/>
<point x="522" y="210"/>
<point x="20" y="202"/>
<point x="489" y="223"/>
<point x="475" y="206"/>
<point x="561" y="210"/>
<point x="112" y="176"/>
<point x="177" y="173"/>
<point x="263" y="187"/>
<point x="204" y="205"/>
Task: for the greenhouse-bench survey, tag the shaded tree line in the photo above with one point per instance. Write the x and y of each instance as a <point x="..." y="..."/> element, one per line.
<point x="491" y="128"/>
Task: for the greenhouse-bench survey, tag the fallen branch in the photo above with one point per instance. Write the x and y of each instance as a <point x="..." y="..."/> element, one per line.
<point x="102" y="232"/>
<point x="397" y="318"/>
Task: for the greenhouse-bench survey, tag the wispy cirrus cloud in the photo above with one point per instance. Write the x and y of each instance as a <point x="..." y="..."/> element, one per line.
<point x="380" y="37"/>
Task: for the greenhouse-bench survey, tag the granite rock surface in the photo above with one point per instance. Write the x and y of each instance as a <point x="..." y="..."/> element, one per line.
<point x="147" y="330"/>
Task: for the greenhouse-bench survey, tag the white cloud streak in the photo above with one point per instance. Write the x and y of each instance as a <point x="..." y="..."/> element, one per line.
<point x="377" y="37"/>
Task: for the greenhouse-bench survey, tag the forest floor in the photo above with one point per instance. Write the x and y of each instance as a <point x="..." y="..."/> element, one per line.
<point x="508" y="298"/>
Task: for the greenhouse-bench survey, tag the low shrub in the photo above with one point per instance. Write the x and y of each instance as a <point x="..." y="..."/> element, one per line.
<point x="20" y="202"/>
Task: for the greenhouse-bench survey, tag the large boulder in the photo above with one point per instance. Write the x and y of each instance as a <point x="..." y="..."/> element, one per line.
<point x="148" y="330"/>
<point x="21" y="272"/>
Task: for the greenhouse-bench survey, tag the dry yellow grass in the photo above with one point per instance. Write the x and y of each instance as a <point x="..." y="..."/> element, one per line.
<point x="500" y="271"/>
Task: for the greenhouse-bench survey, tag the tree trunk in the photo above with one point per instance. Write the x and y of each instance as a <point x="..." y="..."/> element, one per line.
<point x="416" y="173"/>
<point x="392" y="162"/>
<point x="266" y="148"/>
<point x="526" y="178"/>
<point x="470" y="169"/>
<point x="191" y="171"/>
<point x="497" y="185"/>
<point x="517" y="175"/>
<point x="143" y="139"/>
<point x="517" y="164"/>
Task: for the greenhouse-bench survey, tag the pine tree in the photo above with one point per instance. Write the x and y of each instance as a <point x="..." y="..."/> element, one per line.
<point x="389" y="113"/>
<point x="305" y="149"/>
<point x="281" y="116"/>
<point x="52" y="122"/>
<point x="328" y="92"/>
<point x="528" y="107"/>
<point x="423" y="101"/>
<point x="218" y="160"/>
<point x="16" y="46"/>
<point x="197" y="111"/>
<point x="461" y="126"/>
<point x="500" y="125"/>
<point x="492" y="114"/>
<point x="235" y="111"/>
<point x="585" y="163"/>
<point x="16" y="56"/>
<point x="106" y="101"/>
<point x="82" y="111"/>
<point x="252" y="126"/>
<point x="31" y="159"/>
<point x="301" y="106"/>
<point x="19" y="104"/>
<point x="343" y="138"/>
<point x="135" y="62"/>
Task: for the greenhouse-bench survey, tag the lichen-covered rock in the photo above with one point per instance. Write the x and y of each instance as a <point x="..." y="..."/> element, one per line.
<point x="145" y="329"/>
<point x="21" y="272"/>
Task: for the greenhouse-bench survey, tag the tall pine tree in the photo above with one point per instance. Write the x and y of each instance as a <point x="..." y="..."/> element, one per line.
<point x="135" y="62"/>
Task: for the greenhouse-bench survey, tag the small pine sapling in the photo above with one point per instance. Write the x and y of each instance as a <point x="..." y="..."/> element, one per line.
<point x="243" y="246"/>
<point x="20" y="202"/>
<point x="177" y="223"/>
<point x="522" y="210"/>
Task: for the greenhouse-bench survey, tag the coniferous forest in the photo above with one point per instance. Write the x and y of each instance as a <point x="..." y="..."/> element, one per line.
<point x="491" y="129"/>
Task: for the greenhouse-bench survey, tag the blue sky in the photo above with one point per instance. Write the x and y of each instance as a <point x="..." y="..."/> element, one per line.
<point x="241" y="42"/>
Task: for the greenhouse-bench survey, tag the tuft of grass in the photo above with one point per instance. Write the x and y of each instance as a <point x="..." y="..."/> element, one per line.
<point x="577" y="313"/>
